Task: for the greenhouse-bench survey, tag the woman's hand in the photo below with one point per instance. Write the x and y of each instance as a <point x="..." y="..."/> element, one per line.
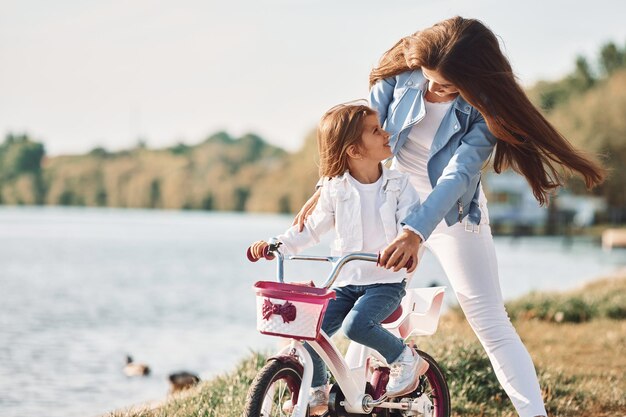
<point x="306" y="210"/>
<point x="403" y="248"/>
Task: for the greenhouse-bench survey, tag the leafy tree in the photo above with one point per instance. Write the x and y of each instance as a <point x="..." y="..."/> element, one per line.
<point x="582" y="79"/>
<point x="101" y="197"/>
<point x="551" y="95"/>
<point x="180" y="149"/>
<point x="241" y="196"/>
<point x="207" y="202"/>
<point x="219" y="137"/>
<point x="253" y="146"/>
<point x="611" y="58"/>
<point x="20" y="155"/>
<point x="155" y="194"/>
<point x="70" y="198"/>
<point x="99" y="152"/>
<point x="283" y="205"/>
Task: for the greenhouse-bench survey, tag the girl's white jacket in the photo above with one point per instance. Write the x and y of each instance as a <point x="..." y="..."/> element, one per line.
<point x="339" y="206"/>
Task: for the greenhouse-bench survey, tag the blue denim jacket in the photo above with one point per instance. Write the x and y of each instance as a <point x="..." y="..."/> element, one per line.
<point x="460" y="148"/>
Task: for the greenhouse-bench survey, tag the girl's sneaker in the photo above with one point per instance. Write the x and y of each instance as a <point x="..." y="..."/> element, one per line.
<point x="318" y="402"/>
<point x="405" y="372"/>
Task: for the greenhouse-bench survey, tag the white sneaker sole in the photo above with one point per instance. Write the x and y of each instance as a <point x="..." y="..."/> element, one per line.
<point x="318" y="410"/>
<point x="422" y="368"/>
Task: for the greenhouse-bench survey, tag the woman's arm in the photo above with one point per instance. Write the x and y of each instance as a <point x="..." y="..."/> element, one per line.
<point x="405" y="246"/>
<point x="306" y="210"/>
<point x="381" y="95"/>
<point x="476" y="146"/>
<point x="408" y="199"/>
<point x="466" y="163"/>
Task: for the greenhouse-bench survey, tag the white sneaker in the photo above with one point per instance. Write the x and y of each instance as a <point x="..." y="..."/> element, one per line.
<point x="318" y="402"/>
<point x="405" y="373"/>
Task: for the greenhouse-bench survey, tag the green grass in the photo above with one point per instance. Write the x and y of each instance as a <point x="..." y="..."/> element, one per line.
<point x="580" y="361"/>
<point x="603" y="299"/>
<point x="475" y="391"/>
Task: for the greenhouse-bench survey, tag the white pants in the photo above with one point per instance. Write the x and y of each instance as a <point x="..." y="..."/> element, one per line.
<point x="469" y="261"/>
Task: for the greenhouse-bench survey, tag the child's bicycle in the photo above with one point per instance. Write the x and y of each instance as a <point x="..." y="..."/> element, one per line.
<point x="296" y="312"/>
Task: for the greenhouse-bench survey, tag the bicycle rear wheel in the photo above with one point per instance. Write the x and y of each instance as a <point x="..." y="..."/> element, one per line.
<point x="277" y="383"/>
<point x="432" y="384"/>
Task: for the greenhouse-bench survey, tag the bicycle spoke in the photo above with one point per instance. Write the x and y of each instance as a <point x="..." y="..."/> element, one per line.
<point x="276" y="398"/>
<point x="281" y="395"/>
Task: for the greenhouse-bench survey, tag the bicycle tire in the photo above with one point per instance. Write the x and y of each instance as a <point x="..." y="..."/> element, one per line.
<point x="283" y="377"/>
<point x="440" y="392"/>
<point x="432" y="383"/>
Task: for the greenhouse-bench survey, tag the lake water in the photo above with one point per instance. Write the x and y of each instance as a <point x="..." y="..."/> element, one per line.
<point x="81" y="288"/>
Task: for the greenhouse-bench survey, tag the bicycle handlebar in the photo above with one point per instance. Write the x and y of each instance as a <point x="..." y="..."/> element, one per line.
<point x="338" y="262"/>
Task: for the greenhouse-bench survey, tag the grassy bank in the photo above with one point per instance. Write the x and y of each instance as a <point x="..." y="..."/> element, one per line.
<point x="577" y="340"/>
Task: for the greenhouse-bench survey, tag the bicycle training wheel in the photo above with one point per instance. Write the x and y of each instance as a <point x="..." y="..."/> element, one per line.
<point x="274" y="389"/>
<point x="432" y="384"/>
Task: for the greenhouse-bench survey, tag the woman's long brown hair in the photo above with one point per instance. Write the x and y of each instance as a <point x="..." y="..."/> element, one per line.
<point x="467" y="53"/>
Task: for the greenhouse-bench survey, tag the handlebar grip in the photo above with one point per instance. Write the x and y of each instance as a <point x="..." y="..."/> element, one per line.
<point x="249" y="255"/>
<point x="266" y="254"/>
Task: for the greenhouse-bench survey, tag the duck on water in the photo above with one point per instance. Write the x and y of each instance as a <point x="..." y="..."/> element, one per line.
<point x="135" y="369"/>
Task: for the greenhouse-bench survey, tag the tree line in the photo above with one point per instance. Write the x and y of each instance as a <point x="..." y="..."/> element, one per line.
<point x="588" y="106"/>
<point x="220" y="173"/>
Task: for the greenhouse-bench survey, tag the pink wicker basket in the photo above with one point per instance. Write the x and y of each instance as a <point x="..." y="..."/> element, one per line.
<point x="290" y="310"/>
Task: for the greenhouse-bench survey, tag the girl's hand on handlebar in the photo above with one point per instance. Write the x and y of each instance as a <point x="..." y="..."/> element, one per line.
<point x="306" y="210"/>
<point x="258" y="250"/>
<point x="404" y="248"/>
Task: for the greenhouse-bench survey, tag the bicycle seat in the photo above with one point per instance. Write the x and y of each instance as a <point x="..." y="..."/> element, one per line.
<point x="395" y="315"/>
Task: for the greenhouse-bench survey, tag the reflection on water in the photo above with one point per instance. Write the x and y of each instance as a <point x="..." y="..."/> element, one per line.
<point x="81" y="288"/>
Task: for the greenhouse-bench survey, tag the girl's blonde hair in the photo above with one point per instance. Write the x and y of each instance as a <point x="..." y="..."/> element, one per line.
<point x="340" y="128"/>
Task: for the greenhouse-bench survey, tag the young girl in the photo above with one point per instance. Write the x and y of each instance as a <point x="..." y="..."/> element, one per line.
<point x="364" y="202"/>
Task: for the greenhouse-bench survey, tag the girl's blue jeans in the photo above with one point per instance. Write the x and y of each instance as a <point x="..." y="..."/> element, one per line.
<point x="358" y="311"/>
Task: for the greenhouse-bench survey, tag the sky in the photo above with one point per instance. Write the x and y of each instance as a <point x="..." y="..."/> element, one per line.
<point x="78" y="74"/>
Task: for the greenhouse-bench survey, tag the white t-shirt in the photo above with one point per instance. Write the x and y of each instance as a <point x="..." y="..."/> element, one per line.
<point x="413" y="156"/>
<point x="371" y="198"/>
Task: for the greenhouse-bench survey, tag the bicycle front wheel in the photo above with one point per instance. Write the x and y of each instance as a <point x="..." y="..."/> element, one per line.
<point x="274" y="390"/>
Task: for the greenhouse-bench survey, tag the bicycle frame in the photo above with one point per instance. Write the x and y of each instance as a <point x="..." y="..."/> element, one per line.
<point x="421" y="309"/>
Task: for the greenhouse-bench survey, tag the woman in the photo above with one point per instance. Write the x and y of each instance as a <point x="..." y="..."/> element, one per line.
<point x="448" y="96"/>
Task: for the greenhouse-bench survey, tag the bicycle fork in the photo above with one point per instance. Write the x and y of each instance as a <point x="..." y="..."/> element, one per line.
<point x="351" y="381"/>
